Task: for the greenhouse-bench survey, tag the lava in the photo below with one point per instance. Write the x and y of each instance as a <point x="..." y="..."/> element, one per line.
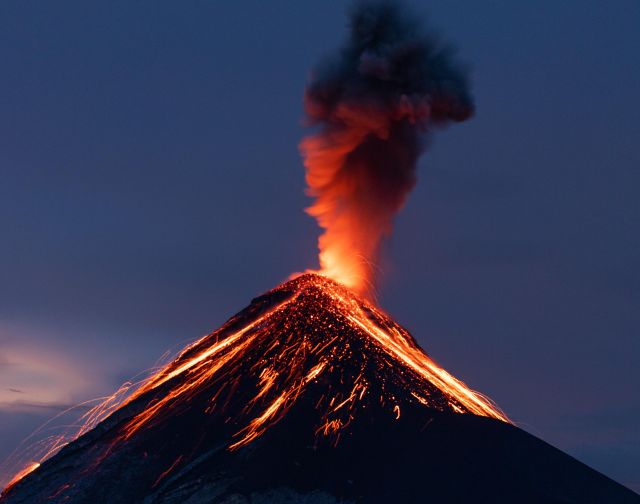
<point x="287" y="367"/>
<point x="309" y="339"/>
<point x="21" y="474"/>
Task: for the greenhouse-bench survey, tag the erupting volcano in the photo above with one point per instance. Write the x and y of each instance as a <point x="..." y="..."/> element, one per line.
<point x="312" y="394"/>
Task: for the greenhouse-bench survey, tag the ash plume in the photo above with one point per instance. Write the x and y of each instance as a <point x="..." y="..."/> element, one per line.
<point x="374" y="102"/>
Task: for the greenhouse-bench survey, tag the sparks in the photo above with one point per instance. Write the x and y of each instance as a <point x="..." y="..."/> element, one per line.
<point x="264" y="361"/>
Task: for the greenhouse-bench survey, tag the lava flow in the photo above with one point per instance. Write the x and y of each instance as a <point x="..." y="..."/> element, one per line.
<point x="310" y="342"/>
<point x="29" y="468"/>
<point x="318" y="327"/>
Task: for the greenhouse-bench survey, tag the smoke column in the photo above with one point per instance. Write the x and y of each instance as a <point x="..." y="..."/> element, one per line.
<point x="373" y="103"/>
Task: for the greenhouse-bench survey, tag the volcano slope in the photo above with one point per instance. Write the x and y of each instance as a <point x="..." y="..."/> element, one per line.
<point x="309" y="395"/>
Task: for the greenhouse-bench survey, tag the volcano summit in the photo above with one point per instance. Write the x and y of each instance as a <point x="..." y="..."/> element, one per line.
<point x="310" y="394"/>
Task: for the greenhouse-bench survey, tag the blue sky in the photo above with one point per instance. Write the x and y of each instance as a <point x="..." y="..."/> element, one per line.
<point x="151" y="186"/>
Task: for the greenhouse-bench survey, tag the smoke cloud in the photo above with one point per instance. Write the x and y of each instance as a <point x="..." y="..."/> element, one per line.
<point x="373" y="103"/>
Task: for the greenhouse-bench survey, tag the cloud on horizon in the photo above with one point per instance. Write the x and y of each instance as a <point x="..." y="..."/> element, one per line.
<point x="34" y="375"/>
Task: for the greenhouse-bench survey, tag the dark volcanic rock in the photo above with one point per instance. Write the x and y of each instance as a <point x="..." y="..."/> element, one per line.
<point x="294" y="401"/>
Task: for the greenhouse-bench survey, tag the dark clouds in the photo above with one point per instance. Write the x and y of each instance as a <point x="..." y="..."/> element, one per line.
<point x="373" y="101"/>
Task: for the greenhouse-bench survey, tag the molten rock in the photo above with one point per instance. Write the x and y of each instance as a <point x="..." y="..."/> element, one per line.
<point x="309" y="395"/>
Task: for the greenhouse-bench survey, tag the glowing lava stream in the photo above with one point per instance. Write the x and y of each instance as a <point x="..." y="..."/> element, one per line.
<point x="193" y="365"/>
<point x="474" y="401"/>
<point x="203" y="366"/>
<point x="277" y="348"/>
<point x="257" y="425"/>
<point x="422" y="364"/>
<point x="28" y="469"/>
<point x="210" y="352"/>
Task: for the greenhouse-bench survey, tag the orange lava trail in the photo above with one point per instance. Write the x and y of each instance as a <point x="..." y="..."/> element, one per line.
<point x="318" y="328"/>
<point x="282" y="388"/>
<point x="21" y="474"/>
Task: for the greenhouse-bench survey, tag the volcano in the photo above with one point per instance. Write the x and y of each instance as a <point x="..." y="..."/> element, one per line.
<point x="309" y="395"/>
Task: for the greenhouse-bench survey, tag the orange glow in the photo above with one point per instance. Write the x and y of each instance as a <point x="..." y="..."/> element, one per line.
<point x="283" y="374"/>
<point x="360" y="169"/>
<point x="164" y="473"/>
<point x="308" y="330"/>
<point x="28" y="469"/>
<point x="353" y="222"/>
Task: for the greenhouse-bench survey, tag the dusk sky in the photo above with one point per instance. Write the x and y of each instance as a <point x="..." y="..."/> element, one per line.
<point x="151" y="186"/>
